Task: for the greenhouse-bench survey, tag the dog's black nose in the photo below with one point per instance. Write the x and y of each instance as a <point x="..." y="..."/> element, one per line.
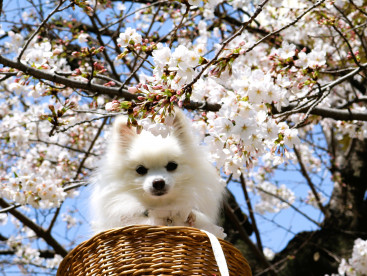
<point x="159" y="184"/>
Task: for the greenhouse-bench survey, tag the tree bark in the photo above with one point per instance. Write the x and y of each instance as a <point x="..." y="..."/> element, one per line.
<point x="316" y="253"/>
<point x="319" y="252"/>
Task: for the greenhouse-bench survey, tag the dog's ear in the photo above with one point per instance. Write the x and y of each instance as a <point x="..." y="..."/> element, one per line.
<point x="181" y="129"/>
<point x="122" y="132"/>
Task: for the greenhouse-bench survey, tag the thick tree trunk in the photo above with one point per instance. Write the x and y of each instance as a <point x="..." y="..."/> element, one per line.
<point x="319" y="252"/>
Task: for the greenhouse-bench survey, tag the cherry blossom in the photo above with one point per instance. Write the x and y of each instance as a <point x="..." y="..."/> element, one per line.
<point x="130" y="35"/>
<point x="357" y="264"/>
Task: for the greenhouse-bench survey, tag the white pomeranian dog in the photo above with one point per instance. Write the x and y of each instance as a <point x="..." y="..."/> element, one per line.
<point x="155" y="180"/>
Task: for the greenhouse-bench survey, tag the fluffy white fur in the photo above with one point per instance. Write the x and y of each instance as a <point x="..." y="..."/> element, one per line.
<point x="191" y="193"/>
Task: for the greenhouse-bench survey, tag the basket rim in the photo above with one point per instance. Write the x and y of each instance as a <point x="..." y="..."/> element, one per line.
<point x="183" y="232"/>
<point x="143" y="227"/>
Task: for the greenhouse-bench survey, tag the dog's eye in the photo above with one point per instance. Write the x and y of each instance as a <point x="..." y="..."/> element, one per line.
<point x="171" y="166"/>
<point x="141" y="170"/>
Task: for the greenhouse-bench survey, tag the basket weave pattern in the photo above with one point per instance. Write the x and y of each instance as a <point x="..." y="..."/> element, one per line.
<point x="150" y="250"/>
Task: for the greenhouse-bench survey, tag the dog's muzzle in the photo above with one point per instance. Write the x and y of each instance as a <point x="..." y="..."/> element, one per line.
<point x="159" y="187"/>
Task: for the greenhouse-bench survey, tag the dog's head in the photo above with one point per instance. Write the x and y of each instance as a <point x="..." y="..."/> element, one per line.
<point x="154" y="167"/>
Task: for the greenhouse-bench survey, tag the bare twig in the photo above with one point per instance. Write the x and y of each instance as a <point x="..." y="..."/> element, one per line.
<point x="76" y="184"/>
<point x="290" y="205"/>
<point x="360" y="36"/>
<point x="174" y="32"/>
<point x="336" y="114"/>
<point x="59" y="145"/>
<point x="251" y="212"/>
<point x="9" y="208"/>
<point x="101" y="42"/>
<point x="126" y="16"/>
<point x="309" y="182"/>
<point x="90" y="148"/>
<point x="348" y="44"/>
<point x="83" y="122"/>
<point x="312" y="107"/>
<point x="53" y="221"/>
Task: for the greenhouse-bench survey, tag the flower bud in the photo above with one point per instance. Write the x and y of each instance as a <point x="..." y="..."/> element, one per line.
<point x="113" y="106"/>
<point x="56" y="52"/>
<point x="132" y="90"/>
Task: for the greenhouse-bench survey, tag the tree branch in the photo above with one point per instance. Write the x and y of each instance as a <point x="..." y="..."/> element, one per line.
<point x="93" y="88"/>
<point x="54" y="77"/>
<point x="53" y="221"/>
<point x="47" y="254"/>
<point x="40" y="232"/>
<point x="343" y="115"/>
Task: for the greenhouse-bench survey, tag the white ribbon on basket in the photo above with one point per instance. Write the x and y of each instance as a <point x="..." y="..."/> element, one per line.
<point x="218" y="253"/>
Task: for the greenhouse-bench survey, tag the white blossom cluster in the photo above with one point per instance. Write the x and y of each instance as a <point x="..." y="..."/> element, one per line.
<point x="39" y="173"/>
<point x="70" y="220"/>
<point x="357" y="264"/>
<point x="273" y="198"/>
<point x="354" y="129"/>
<point x="268" y="253"/>
<point x="242" y="130"/>
<point x="181" y="62"/>
<point x="209" y="5"/>
<point x="156" y="127"/>
<point x="25" y="254"/>
<point x="37" y="54"/>
<point x="129" y="36"/>
<point x="42" y="165"/>
<point x="311" y="199"/>
<point x="31" y="179"/>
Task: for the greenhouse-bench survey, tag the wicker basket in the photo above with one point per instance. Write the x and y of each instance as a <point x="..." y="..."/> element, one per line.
<point x="151" y="250"/>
